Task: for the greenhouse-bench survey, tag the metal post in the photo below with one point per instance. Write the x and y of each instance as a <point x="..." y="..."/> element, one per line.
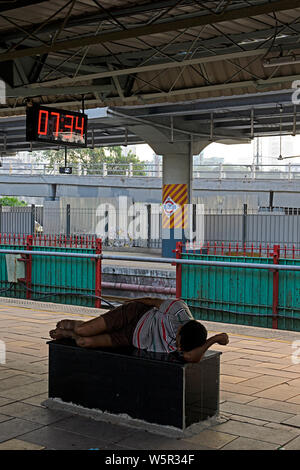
<point x="106" y="228"/>
<point x="276" y="254"/>
<point x="194" y="222"/>
<point x="149" y="225"/>
<point x="0" y="219"/>
<point x="244" y="228"/>
<point x="178" y="253"/>
<point x="98" y="273"/>
<point x="271" y="201"/>
<point x="32" y="219"/>
<point x="28" y="268"/>
<point x="68" y="224"/>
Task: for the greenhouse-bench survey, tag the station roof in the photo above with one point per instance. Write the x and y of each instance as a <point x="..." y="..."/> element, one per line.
<point x="232" y="119"/>
<point x="138" y="53"/>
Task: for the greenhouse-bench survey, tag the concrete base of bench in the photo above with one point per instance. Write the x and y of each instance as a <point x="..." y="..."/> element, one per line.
<point x="150" y="387"/>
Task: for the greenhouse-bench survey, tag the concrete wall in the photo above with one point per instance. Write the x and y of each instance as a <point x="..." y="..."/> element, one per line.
<point x="229" y="194"/>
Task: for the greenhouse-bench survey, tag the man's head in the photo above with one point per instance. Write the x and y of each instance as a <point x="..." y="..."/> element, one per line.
<point x="190" y="336"/>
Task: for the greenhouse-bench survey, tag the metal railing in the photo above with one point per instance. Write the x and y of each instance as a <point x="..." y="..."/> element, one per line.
<point x="150" y="259"/>
<point x="49" y="278"/>
<point x="141" y="226"/>
<point x="289" y="171"/>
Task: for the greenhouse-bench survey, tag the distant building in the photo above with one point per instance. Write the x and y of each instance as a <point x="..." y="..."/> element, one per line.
<point x="202" y="160"/>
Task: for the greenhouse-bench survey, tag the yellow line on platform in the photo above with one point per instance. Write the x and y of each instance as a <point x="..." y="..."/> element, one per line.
<point x="47" y="311"/>
<point x="92" y="316"/>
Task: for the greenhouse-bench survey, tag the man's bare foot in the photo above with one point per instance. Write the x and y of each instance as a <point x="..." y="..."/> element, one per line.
<point x="68" y="324"/>
<point x="60" y="333"/>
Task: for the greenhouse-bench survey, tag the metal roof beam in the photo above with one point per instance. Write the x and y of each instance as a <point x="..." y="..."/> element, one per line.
<point x="95" y="17"/>
<point x="153" y="67"/>
<point x="219" y="42"/>
<point x="17" y="4"/>
<point x="175" y="25"/>
<point x="48" y="91"/>
<point x="257" y="84"/>
<point x="221" y="105"/>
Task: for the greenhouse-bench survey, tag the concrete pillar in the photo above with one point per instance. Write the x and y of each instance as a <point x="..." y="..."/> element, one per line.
<point x="177" y="149"/>
<point x="176" y="192"/>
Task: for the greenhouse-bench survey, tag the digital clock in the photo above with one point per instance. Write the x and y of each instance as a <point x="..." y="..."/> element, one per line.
<point x="56" y="126"/>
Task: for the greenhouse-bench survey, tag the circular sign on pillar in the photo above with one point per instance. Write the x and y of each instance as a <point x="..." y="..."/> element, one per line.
<point x="169" y="206"/>
<point x="175" y="196"/>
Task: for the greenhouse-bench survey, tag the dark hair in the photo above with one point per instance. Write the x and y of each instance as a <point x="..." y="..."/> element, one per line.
<point x="192" y="335"/>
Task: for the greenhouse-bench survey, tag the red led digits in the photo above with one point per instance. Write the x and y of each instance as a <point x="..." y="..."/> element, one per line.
<point x="69" y="126"/>
<point x="43" y="122"/>
<point x="56" y="126"/>
<point x="81" y="127"/>
<point x="57" y="122"/>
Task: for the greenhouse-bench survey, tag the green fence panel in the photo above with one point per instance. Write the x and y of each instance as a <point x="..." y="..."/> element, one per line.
<point x="8" y="289"/>
<point x="58" y="279"/>
<point x="70" y="280"/>
<point x="289" y="297"/>
<point x="240" y="295"/>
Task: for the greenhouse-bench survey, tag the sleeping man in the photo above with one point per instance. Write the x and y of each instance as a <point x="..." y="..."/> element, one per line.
<point x="150" y="324"/>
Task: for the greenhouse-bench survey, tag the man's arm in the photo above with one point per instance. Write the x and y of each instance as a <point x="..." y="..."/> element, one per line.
<point x="196" y="354"/>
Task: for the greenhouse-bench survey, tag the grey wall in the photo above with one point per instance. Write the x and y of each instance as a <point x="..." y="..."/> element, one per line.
<point x="214" y="193"/>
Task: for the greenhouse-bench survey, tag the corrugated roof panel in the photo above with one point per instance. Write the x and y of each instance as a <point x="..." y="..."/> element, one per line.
<point x="217" y="73"/>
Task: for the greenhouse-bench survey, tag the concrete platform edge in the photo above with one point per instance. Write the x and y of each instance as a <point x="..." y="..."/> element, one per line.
<point x="125" y="420"/>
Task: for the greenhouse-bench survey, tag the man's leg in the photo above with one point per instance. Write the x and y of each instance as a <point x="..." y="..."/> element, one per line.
<point x="60" y="333"/>
<point x="68" y="324"/>
<point x="71" y="328"/>
<point x="100" y="341"/>
<point x="108" y="322"/>
<point x="105" y="340"/>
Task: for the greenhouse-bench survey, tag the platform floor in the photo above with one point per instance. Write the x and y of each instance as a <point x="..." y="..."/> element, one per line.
<point x="260" y="391"/>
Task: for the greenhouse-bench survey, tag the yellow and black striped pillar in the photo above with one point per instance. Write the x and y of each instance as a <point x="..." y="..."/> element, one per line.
<point x="174" y="215"/>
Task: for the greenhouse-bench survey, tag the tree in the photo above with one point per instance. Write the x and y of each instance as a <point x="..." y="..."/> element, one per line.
<point x="11" y="201"/>
<point x="91" y="159"/>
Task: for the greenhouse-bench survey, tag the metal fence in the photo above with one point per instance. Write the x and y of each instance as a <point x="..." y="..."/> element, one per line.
<point x="277" y="227"/>
<point x="20" y="220"/>
<point x="258" y="292"/>
<point x="140" y="226"/>
<point x="268" y="298"/>
<point x="289" y="171"/>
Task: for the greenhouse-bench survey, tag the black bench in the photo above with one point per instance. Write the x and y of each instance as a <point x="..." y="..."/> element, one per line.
<point x="153" y="387"/>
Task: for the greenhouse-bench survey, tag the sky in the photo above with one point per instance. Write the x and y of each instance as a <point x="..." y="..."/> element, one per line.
<point x="243" y="153"/>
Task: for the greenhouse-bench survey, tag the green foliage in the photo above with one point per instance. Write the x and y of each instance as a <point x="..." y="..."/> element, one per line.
<point x="94" y="158"/>
<point x="11" y="201"/>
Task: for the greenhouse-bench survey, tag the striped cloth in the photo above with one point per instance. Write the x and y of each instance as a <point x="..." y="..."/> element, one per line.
<point x="156" y="330"/>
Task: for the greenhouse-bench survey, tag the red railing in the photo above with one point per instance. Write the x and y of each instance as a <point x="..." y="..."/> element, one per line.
<point x="29" y="241"/>
<point x="234" y="249"/>
<point x="241" y="249"/>
<point x="60" y="241"/>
